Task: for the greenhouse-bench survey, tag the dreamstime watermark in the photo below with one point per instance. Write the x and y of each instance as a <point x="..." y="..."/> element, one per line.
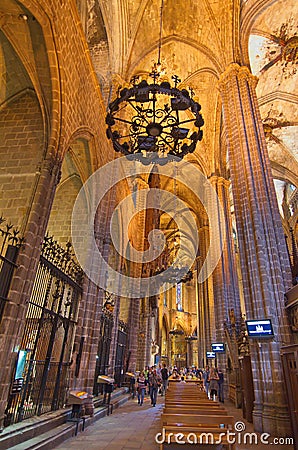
<point x="122" y="170"/>
<point x="239" y="436"/>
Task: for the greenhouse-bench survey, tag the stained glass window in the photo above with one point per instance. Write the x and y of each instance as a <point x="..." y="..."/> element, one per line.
<point x="179" y="296"/>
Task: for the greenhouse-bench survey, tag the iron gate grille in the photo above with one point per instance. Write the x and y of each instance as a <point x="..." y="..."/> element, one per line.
<point x="120" y="353"/>
<point x="104" y="343"/>
<point x="10" y="242"/>
<point x="41" y="377"/>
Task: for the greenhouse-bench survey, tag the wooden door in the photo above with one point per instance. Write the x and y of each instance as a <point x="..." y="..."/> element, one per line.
<point x="289" y="356"/>
<point x="247" y="388"/>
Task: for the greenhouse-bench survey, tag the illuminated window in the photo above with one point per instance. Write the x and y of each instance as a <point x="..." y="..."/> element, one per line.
<point x="179" y="297"/>
<point x="164" y="298"/>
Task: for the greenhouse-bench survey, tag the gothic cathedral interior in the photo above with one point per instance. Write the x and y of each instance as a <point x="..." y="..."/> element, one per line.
<point x="149" y="199"/>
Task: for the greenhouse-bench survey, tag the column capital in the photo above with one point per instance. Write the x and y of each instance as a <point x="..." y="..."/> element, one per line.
<point x="235" y="71"/>
<point x="217" y="180"/>
<point x="203" y="228"/>
<point x="139" y="183"/>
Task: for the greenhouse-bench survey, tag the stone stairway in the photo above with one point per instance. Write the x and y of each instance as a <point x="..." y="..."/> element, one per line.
<point x="49" y="430"/>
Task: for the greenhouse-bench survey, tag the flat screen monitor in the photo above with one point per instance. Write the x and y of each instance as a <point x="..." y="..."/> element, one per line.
<point x="210" y="355"/>
<point x="259" y="328"/>
<point x="218" y="347"/>
<point x="21" y="364"/>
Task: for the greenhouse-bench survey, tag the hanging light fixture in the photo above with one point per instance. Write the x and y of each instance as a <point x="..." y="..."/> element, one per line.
<point x="168" y="273"/>
<point x="191" y="337"/>
<point x="169" y="266"/>
<point x="153" y="123"/>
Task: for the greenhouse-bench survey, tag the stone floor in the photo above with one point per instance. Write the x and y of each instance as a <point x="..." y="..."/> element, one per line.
<point x="134" y="427"/>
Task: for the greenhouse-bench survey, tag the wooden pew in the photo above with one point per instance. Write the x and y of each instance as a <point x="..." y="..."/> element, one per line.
<point x="194" y="411"/>
<point x="194" y="391"/>
<point x="187" y="398"/>
<point x="197" y="419"/>
<point x="182" y="385"/>
<point x="201" y="395"/>
<point x="208" y="429"/>
<point x="187" y="402"/>
<point x="188" y="410"/>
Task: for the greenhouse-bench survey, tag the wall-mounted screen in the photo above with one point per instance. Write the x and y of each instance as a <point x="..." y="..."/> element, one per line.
<point x="259" y="328"/>
<point x="218" y="347"/>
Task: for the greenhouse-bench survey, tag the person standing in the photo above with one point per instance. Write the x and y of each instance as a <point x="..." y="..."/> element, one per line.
<point x="154" y="383"/>
<point x="206" y="380"/>
<point x="220" y="385"/>
<point x="149" y="373"/>
<point x="132" y="385"/>
<point x="213" y="383"/>
<point x="141" y="387"/>
<point x="164" y="376"/>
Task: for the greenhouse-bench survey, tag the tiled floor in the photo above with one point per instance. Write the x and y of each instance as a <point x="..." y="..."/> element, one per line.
<point x="130" y="427"/>
<point x="134" y="427"/>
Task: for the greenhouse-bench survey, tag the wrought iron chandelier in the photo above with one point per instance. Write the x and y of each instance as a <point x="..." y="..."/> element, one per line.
<point x="191" y="337"/>
<point x="174" y="274"/>
<point x="169" y="270"/>
<point x="154" y="122"/>
<point x="176" y="330"/>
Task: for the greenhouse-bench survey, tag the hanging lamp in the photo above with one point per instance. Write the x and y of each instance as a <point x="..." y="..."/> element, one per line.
<point x="155" y="122"/>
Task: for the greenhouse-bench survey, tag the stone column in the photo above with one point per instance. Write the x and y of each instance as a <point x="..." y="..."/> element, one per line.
<point x="136" y="271"/>
<point x="86" y="337"/>
<point x="113" y="347"/>
<point x="148" y="339"/>
<point x="263" y="254"/>
<point x="226" y="288"/>
<point x="143" y="337"/>
<point x="206" y="326"/>
<point x="90" y="309"/>
<point x="14" y="315"/>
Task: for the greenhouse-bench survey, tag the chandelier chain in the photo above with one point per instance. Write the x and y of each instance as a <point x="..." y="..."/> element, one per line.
<point x="160" y="33"/>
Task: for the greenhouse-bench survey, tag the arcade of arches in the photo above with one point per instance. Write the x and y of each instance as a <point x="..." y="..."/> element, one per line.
<point x="62" y="63"/>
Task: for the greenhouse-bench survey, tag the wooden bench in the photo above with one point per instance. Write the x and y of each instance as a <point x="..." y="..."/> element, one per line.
<point x="192" y="392"/>
<point x="194" y="438"/>
<point x="197" y="419"/>
<point x="188" y="411"/>
<point x="194" y="411"/>
<point x="208" y="429"/>
<point x="188" y="403"/>
<point x="187" y="399"/>
<point x="195" y="391"/>
<point x="180" y="386"/>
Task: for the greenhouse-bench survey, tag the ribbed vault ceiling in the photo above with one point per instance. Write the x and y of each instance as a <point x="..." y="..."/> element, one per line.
<point x="199" y="40"/>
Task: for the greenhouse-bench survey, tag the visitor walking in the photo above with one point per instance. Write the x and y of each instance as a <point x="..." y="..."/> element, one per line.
<point x="141" y="388"/>
<point x="220" y="385"/>
<point x="206" y="380"/>
<point x="155" y="382"/>
<point x="165" y="379"/>
<point x="213" y="383"/>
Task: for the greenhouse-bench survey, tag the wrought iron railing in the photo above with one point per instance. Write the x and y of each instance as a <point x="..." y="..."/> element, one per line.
<point x="120" y="353"/>
<point x="10" y="243"/>
<point x="104" y="344"/>
<point x="41" y="378"/>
